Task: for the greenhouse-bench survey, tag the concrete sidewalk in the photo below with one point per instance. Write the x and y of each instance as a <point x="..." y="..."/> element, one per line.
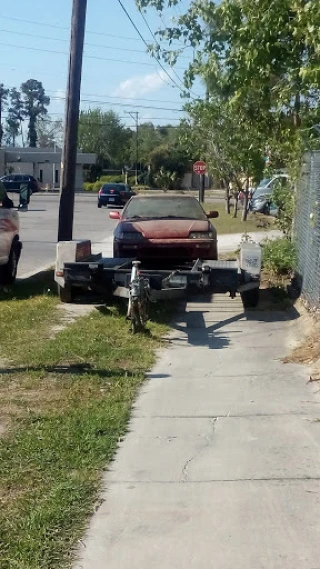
<point x="221" y="465"/>
<point x="231" y="241"/>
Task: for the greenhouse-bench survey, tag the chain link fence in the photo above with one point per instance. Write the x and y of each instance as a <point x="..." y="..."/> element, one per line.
<point x="307" y="229"/>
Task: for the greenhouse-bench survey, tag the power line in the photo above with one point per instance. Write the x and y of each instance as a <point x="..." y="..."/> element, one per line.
<point x="101" y="122"/>
<point x="146" y="44"/>
<point x="123" y="105"/>
<point x="86" y="75"/>
<point x="113" y="97"/>
<point x="57" y="27"/>
<point x="44" y="50"/>
<point x="147" y="24"/>
<point x="87" y="44"/>
<point x="158" y="45"/>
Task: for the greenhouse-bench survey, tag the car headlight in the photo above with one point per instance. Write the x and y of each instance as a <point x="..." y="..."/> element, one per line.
<point x="201" y="235"/>
<point x="130" y="235"/>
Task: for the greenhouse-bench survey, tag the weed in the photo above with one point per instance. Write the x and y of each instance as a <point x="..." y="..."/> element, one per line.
<point x="279" y="256"/>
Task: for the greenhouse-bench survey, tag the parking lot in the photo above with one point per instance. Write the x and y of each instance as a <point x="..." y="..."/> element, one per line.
<point x="39" y="228"/>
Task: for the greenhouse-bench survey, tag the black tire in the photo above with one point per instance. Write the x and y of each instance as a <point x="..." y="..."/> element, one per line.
<point x="66" y="294"/>
<point x="8" y="271"/>
<point x="99" y="205"/>
<point x="250" y="298"/>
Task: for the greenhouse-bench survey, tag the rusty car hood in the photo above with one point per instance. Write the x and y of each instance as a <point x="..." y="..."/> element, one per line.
<point x="166" y="228"/>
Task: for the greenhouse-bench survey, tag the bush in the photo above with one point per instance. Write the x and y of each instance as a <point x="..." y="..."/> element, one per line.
<point x="92" y="187"/>
<point x="119" y="179"/>
<point x="95" y="186"/>
<point x="279" y="256"/>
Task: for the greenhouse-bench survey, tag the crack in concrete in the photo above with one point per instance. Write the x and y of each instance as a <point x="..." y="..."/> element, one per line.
<point x="227" y="415"/>
<point x="215" y="480"/>
<point x="185" y="469"/>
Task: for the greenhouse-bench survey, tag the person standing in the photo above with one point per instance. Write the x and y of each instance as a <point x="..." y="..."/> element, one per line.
<point x="25" y="193"/>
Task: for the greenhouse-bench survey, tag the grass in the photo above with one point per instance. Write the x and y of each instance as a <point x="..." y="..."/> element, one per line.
<point x="65" y="402"/>
<point x="227" y="224"/>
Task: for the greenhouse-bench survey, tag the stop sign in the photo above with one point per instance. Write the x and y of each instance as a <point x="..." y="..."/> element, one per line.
<point x="200" y="167"/>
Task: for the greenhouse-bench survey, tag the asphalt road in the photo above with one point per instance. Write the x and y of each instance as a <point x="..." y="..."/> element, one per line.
<point x="39" y="228"/>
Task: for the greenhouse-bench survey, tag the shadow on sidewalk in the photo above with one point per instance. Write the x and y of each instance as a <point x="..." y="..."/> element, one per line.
<point x="193" y="329"/>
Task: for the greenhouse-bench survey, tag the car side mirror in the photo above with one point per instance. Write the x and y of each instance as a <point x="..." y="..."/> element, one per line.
<point x="114" y="215"/>
<point x="212" y="214"/>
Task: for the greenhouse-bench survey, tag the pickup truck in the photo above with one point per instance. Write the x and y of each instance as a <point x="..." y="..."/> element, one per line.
<point x="10" y="245"/>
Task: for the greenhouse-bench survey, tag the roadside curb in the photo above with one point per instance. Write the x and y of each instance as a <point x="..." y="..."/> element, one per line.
<point x="38" y="275"/>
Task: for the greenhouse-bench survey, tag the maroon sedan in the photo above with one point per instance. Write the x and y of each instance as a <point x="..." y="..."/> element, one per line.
<point x="164" y="228"/>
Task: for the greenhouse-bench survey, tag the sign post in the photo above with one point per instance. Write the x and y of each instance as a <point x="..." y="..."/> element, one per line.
<point x="200" y="168"/>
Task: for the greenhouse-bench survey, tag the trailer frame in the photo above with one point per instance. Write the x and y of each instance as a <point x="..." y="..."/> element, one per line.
<point x="78" y="269"/>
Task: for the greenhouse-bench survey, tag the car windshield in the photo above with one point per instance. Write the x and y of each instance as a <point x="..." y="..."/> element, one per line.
<point x="262" y="192"/>
<point x="164" y="208"/>
<point x="264" y="183"/>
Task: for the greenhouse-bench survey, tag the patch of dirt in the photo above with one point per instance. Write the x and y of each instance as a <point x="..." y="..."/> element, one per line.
<point x="69" y="313"/>
<point x="308" y="349"/>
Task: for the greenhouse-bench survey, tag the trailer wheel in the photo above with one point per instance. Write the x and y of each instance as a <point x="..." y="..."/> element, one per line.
<point x="138" y="315"/>
<point x="250" y="298"/>
<point x="66" y="294"/>
<point x="135" y="317"/>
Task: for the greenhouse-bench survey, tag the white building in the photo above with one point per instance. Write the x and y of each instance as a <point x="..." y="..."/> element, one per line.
<point x="42" y="163"/>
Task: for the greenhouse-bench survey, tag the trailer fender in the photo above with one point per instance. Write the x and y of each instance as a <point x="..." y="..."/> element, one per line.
<point x="70" y="252"/>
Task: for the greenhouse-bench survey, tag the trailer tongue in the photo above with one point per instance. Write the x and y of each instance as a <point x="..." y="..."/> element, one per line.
<point x="78" y="270"/>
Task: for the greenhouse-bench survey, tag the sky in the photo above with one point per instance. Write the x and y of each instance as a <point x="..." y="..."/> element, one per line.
<point x="118" y="73"/>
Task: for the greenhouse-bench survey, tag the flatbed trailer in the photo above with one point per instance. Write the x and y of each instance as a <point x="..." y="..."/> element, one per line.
<point x="77" y="269"/>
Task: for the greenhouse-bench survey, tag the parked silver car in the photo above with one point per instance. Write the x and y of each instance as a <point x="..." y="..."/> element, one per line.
<point x="261" y="201"/>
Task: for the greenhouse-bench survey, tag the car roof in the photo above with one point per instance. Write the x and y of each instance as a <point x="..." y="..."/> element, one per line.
<point x="164" y="197"/>
<point x="17" y="174"/>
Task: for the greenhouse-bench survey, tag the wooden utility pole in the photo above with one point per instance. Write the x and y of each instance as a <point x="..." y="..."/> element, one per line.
<point x="135" y="116"/>
<point x="70" y="143"/>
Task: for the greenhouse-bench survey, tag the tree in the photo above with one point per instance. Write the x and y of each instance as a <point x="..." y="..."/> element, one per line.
<point x="149" y="138"/>
<point x="15" y="117"/>
<point x="256" y="54"/>
<point x="165" y="179"/>
<point x="167" y="163"/>
<point x="228" y="141"/>
<point x="3" y="100"/>
<point x="49" y="133"/>
<point x="159" y="146"/>
<point x="103" y="134"/>
<point x="35" y="103"/>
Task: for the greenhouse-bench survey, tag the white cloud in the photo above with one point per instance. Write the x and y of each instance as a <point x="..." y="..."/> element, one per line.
<point x="141" y="85"/>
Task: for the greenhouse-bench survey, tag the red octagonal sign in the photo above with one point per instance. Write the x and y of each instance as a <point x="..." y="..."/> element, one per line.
<point x="200" y="167"/>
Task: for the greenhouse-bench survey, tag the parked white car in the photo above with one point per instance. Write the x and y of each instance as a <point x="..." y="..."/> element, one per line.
<point x="10" y="245"/>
